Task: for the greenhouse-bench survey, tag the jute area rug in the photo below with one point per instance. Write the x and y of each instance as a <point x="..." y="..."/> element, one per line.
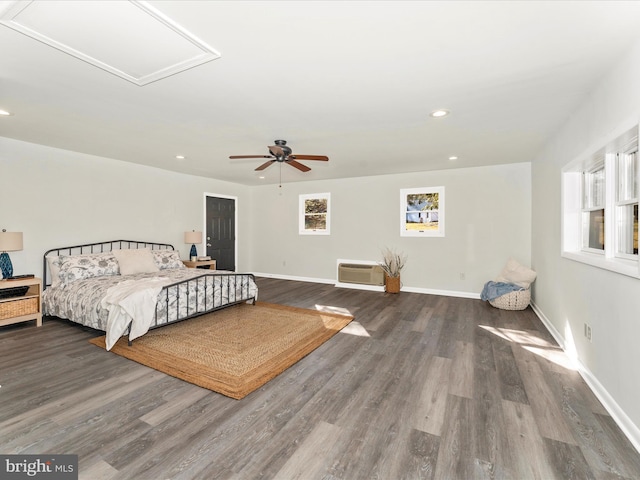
<point x="236" y="350"/>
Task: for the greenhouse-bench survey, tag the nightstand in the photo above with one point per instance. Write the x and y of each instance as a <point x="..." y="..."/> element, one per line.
<point x="211" y="264"/>
<point x="24" y="308"/>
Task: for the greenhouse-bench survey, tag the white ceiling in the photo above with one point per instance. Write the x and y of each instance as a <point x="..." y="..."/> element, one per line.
<point x="355" y="81"/>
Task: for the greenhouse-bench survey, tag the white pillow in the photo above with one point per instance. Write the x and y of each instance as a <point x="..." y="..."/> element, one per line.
<point x="53" y="265"/>
<point x="518" y="274"/>
<point x="135" y="261"/>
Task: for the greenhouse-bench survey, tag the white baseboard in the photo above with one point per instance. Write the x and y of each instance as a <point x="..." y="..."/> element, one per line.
<point x="627" y="426"/>
<point x="291" y="277"/>
<point x="359" y="286"/>
<point x="373" y="288"/>
<point x="444" y="293"/>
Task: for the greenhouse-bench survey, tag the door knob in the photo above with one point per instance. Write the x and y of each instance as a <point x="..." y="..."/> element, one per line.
<point x="208" y="244"/>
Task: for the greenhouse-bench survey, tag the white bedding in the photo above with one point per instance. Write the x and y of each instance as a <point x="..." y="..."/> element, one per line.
<point x="131" y="303"/>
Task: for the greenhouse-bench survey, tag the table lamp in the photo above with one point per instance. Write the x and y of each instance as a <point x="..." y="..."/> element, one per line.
<point x="193" y="237"/>
<point x="9" y="242"/>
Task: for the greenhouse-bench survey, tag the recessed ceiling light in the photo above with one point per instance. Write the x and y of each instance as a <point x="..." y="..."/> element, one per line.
<point x="180" y="157"/>
<point x="261" y="177"/>
<point x="453" y="157"/>
<point x="439" y="113"/>
<point x="5" y="113"/>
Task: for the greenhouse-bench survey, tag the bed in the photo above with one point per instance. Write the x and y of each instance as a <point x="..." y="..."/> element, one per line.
<point x="127" y="287"/>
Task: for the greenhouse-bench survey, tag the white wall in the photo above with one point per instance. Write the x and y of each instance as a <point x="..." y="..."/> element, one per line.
<point x="567" y="294"/>
<point x="57" y="198"/>
<point x="488" y="219"/>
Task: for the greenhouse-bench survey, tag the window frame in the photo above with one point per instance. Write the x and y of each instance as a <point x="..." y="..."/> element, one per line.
<point x="302" y="230"/>
<point x="572" y="209"/>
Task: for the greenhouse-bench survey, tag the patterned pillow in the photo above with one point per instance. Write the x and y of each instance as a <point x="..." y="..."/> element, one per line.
<point x="79" y="267"/>
<point x="166" y="259"/>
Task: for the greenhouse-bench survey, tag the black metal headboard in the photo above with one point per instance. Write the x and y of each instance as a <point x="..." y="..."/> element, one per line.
<point x="99" y="247"/>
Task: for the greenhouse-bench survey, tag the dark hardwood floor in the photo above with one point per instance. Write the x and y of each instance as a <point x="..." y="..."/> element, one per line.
<point x="417" y="387"/>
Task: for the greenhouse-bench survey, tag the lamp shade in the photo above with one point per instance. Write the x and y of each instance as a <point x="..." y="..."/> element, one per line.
<point x="10" y="241"/>
<point x="193" y="237"/>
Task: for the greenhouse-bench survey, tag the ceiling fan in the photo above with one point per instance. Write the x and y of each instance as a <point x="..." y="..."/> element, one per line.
<point x="281" y="153"/>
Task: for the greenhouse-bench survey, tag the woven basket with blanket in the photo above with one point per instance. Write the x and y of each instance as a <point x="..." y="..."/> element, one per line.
<point x="518" y="300"/>
<point x="511" y="288"/>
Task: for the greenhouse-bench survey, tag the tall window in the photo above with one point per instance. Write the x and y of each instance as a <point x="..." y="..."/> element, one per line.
<point x="315" y="214"/>
<point x="600" y="206"/>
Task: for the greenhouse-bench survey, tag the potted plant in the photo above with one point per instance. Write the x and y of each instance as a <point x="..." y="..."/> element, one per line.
<point x="392" y="263"/>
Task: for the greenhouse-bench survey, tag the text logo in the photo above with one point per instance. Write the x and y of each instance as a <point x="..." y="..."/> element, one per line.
<point x="45" y="467"/>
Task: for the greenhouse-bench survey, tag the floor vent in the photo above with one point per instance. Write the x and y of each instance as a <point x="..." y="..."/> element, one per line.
<point x="362" y="274"/>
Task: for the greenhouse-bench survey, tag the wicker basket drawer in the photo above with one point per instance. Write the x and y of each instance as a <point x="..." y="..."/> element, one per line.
<point x="19" y="307"/>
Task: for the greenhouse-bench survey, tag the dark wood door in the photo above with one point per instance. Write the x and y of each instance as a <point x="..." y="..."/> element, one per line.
<point x="221" y="232"/>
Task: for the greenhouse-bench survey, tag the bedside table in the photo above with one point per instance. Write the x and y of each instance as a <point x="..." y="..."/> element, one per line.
<point x="24" y="308"/>
<point x="211" y="264"/>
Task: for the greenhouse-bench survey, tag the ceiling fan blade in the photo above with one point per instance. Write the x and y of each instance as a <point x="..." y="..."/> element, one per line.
<point x="310" y="157"/>
<point x="276" y="151"/>
<point x="250" y="156"/>
<point x="299" y="166"/>
<point x="264" y="165"/>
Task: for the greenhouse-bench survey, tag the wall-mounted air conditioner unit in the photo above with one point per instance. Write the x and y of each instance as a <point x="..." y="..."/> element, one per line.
<point x="360" y="273"/>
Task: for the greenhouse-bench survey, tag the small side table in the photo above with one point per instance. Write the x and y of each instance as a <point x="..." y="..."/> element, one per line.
<point x="24" y="308"/>
<point x="210" y="264"/>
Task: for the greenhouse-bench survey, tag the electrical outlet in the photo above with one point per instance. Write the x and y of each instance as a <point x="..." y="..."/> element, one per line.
<point x="587" y="332"/>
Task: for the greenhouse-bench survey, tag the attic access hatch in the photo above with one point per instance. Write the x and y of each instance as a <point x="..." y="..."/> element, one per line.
<point x="130" y="39"/>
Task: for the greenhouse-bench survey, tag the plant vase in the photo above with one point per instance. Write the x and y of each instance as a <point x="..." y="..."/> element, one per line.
<point x="392" y="284"/>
